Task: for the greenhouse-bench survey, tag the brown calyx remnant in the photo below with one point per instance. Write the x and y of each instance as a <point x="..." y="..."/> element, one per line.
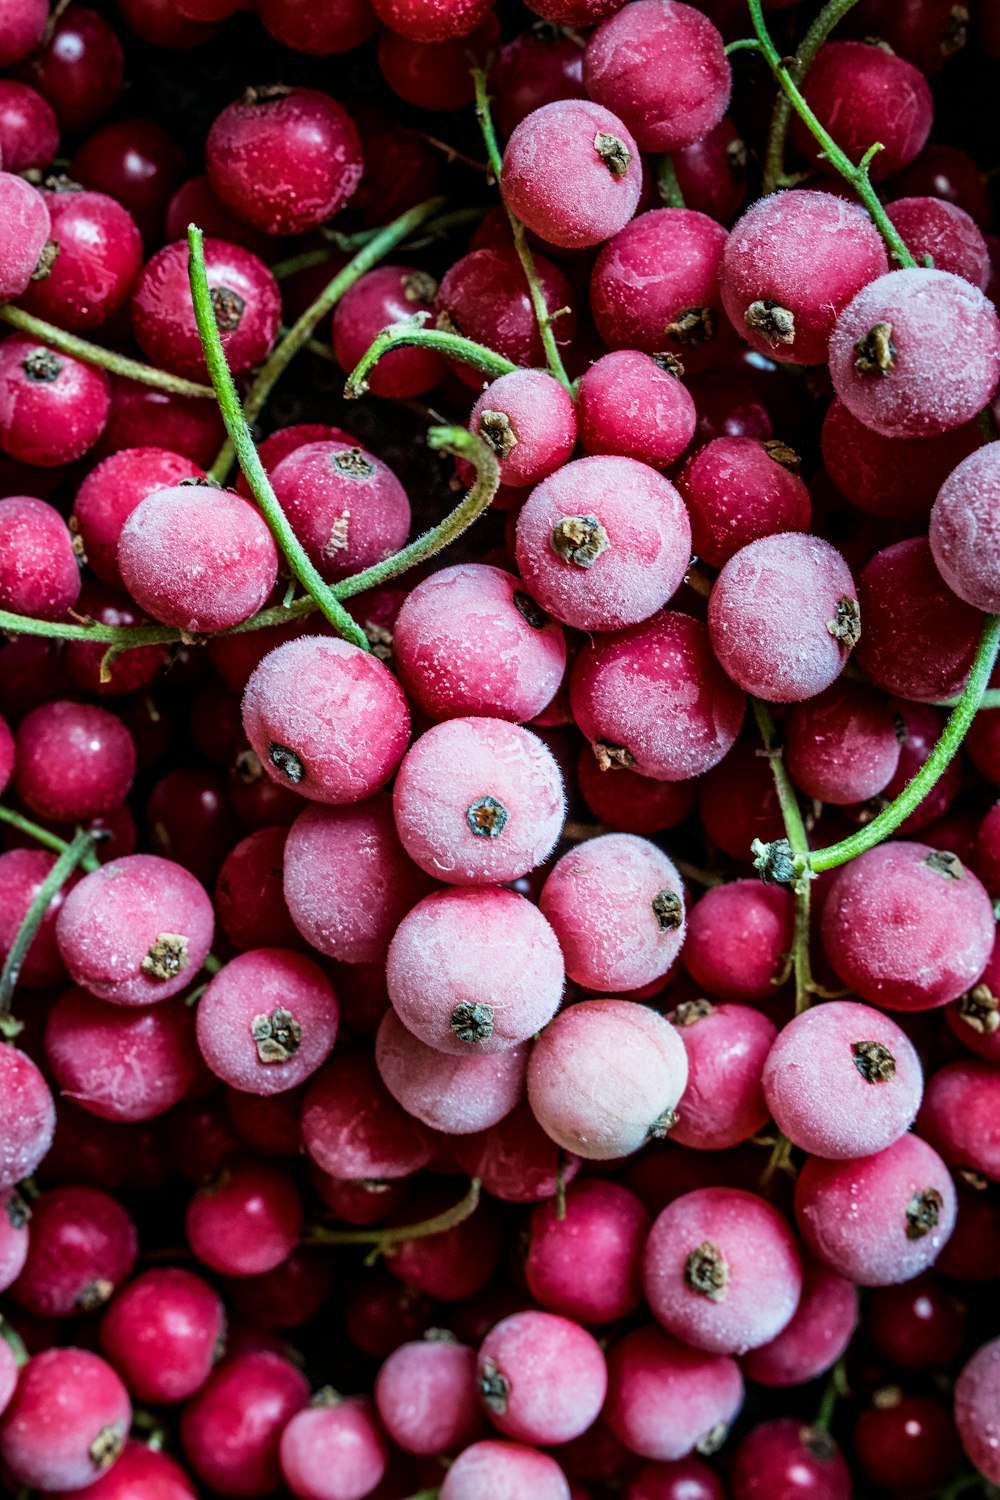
<point x="41" y="364"/>
<point x="76" y="541"/>
<point x="876" y="352"/>
<point x="247" y="768"/>
<point x="737" y="157"/>
<point x="419" y="287"/>
<point x="265" y="93"/>
<point x="60" y="182"/>
<point x="277" y="1035"/>
<point x="668" y="909"/>
<point x="980" y="1010"/>
<point x="712" y="1440"/>
<point x="612" y="757"/>
<point x="974" y="1180"/>
<point x="782" y="454"/>
<point x="772" y="321"/>
<point x="819" y="1443"/>
<point x="379" y="639"/>
<point x="690" y="1011"/>
<point x="487" y="818"/>
<point x="707" y="1271"/>
<point x="445" y="323"/>
<point x="693" y="326"/>
<point x="669" y="363"/>
<point x="613" y="153"/>
<point x="496" y="430"/>
<point x="494" y="1388"/>
<point x="228" y="308"/>
<point x="107" y="1446"/>
<point x="845" y="626"/>
<point x="923" y="1213"/>
<point x="353" y="464"/>
<point x="95" y="1294"/>
<point x="47" y="259"/>
<point x="17" y="1211"/>
<point x="887" y="1397"/>
<point x="873" y="1061"/>
<point x="663" y="1125"/>
<point x="945" y="863"/>
<point x="287" y="762"/>
<point x="167" y="957"/>
<point x="956" y="31"/>
<point x="472" y="1022"/>
<point x="530" y="611"/>
<point x="439" y="1336"/>
<point x="579" y="540"/>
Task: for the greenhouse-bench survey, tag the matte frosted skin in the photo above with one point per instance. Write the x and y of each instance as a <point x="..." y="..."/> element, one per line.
<point x="387" y="294"/>
<point x="336" y="1452"/>
<point x="723" y="1102"/>
<point x="947" y="353"/>
<point x="432" y="20"/>
<point x="657" y="691"/>
<point x="738" y="936"/>
<point x="819" y="1097"/>
<point x="504" y="1471"/>
<point x="735" y="493"/>
<point x="587" y="1265"/>
<point x="64" y="1398"/>
<point x="977" y="1409"/>
<point x="553" y="179"/>
<point x="49" y="422"/>
<point x="352" y="1126"/>
<point x="629" y="405"/>
<point x="425" y="1393"/>
<point x="862" y="94"/>
<point x="807" y="251"/>
<point x="893" y="477"/>
<point x="542" y="419"/>
<point x="113" y="917"/>
<point x="345" y="520"/>
<point x="665" y="1397"/>
<point x="662" y="263"/>
<point x="485" y="946"/>
<point x="516" y="1161"/>
<point x="853" y="1214"/>
<point x="904" y="934"/>
<point x="918" y="639"/>
<point x="39" y="571"/>
<point x="110" y="493"/>
<point x="556" y="1375"/>
<point x="29" y="131"/>
<point x="118" y="1062"/>
<point x="662" y="68"/>
<point x="27" y="1116"/>
<point x="945" y="232"/>
<point x="456" y="1095"/>
<point x="842" y="746"/>
<point x="965" y="529"/>
<point x="600" y="899"/>
<point x="449" y="772"/>
<point x="339" y="709"/>
<point x="26" y="228"/>
<point x="961" y="1116"/>
<point x="817" y="1335"/>
<point x="22" y="872"/>
<point x="764" y="1270"/>
<point x="604" y="1075"/>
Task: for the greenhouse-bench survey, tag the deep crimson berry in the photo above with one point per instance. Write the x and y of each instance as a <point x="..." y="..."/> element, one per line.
<point x="269" y="1124"/>
<point x="318" y="27"/>
<point x="29" y="133"/>
<point x="52" y="408"/>
<point x="537" y="67"/>
<point x="248" y="893"/>
<point x="28" y="1112"/>
<point x="67" y="1421"/>
<point x="976" y="1408"/>
<point x="380" y="1314"/>
<point x="455" y="1264"/>
<point x="138" y="163"/>
<point x="39" y="566"/>
<point x="163" y="24"/>
<point x="932" y="227"/>
<point x="515" y="1159"/>
<point x="893" y="477"/>
<point x="99" y="252"/>
<point x="738" y="490"/>
<point x="141" y="1473"/>
<point x="785" y="1459"/>
<point x="346" y="507"/>
<point x="191" y="822"/>
<point x="180" y="424"/>
<point x="957" y="1116"/>
<point x="73" y="760"/>
<point x="586" y="1265"/>
<point x="83" y="660"/>
<point x="485" y="297"/>
<point x="575" y="12"/>
<point x="918" y="639"/>
<point x="119" y="1062"/>
<point x="904" y="1441"/>
<point x="864" y="94"/>
<point x="247" y="1222"/>
<point x="82" y="1246"/>
<point x="287" y="1296"/>
<point x="22" y="25"/>
<point x="712" y="172"/>
<point x="353" y="1128"/>
<point x="231" y="1429"/>
<point x="432" y="20"/>
<point x="629" y="404"/>
<point x="435" y="75"/>
<point x="388" y="294"/>
<point x="628" y="803"/>
<point x="948" y="173"/>
<point x="163" y="1333"/>
<point x="918" y="1326"/>
<point x="78" y="69"/>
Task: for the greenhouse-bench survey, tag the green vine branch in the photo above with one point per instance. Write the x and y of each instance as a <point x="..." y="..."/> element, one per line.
<point x="43" y="836"/>
<point x="413" y="334"/>
<point x="805" y="56"/>
<point x="385" y="1238"/>
<point x="793" y="856"/>
<point x="103" y="359"/>
<point x="72" y="856"/>
<point x="667" y="185"/>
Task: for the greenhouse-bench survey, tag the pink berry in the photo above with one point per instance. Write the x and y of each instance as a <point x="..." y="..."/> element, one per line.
<point x="82" y="1245"/>
<point x="231" y="1428"/>
<point x="629" y="405"/>
<point x="958" y="1116"/>
<point x="22" y="872"/>
<point x="388" y="294"/>
<point x="944" y="232"/>
<point x="605" y="1077"/>
<point x="662" y="68"/>
<point x="737" y="938"/>
<point x="110" y="493"/>
<point x="627" y="803"/>
<point x="842" y="746"/>
<point x="22" y="26"/>
<point x="726" y="1046"/>
<point x="67" y="1422"/>
<point x="915" y="353"/>
<point x="245" y="1223"/>
<point x="880" y="1219"/>
<point x="572" y="173"/>
<point x="29" y="131"/>
<point x="278" y="445"/>
<point x="486" y="298"/>
<point x="976" y="1409"/>
<point x="515" y="1160"/>
<point x="541" y="1378"/>
<point x="963" y="535"/>
<point x="654" y="699"/>
<point x="39" y="567"/>
<point x="817" y="1335"/>
<point x="504" y="1471"/>
<point x="586" y="1265"/>
<point x="117" y="1062"/>
<point x="284" y="159"/>
<point x="783" y="1459"/>
<point x="665" y="1399"/>
<point x="163" y="1333"/>
<point x="74" y="760"/>
<point x="529" y="421"/>
<point x="248" y="893"/>
<point x="183" y="424"/>
<point x="907" y="927"/>
<point x="426" y="1396"/>
<point x="334" y="1449"/>
<point x="892" y="477"/>
<point x="863" y="94"/>
<point x="352" y="1126"/>
<point x="136" y="931"/>
<point x="455" y="1264"/>
<point x="347" y="508"/>
<point x="52" y="408"/>
<point x="267" y="1021"/>
<point x="326" y="718"/>
<point x="476" y="968"/>
<point x="141" y="1473"/>
<point x="27" y="1117"/>
<point x="738" y="490"/>
<point x="98" y="259"/>
<point x="26" y="232"/>
<point x="14" y="1215"/>
<point x="456" y="1095"/>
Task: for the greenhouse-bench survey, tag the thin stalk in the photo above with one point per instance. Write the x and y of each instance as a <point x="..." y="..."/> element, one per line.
<point x="63" y="868"/>
<point x="780" y="1160"/>
<point x="667" y="185"/>
<point x="44" y="837"/>
<point x="253" y="469"/>
<point x="543" y="318"/>
<point x="413" y="334"/>
<point x="798" y="842"/>
<point x="15" y="1343"/>
<point x="836" y="1388"/>
<point x="304" y="261"/>
<point x="805" y="56"/>
<point x="303" y="328"/>
<point x="990" y="699"/>
<point x="915" y="791"/>
<point x="321" y="1234"/>
<point x="857" y="176"/>
<point x="103" y="359"/>
<point x="746" y="44"/>
<point x="112" y="635"/>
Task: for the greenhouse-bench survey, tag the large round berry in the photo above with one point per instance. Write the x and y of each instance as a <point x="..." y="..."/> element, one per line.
<point x="346" y="507"/>
<point x="39" y="566"/>
<point x="964" y="533"/>
<point x="67" y="1422"/>
<point x="97" y="254"/>
<point x="74" y="761"/>
<point x="52" y="408"/>
<point x="25" y="234"/>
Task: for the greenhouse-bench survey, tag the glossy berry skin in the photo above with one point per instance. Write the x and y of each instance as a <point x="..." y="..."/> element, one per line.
<point x="82" y="660"/>
<point x="474" y="969"/>
<point x="783" y="1460"/>
<point x="893" y="477"/>
<point x="940" y="365"/>
<point x="541" y="1378"/>
<point x="470" y="641"/>
<point x="326" y="718"/>
<point x="432" y="20"/>
<point x="425" y="1393"/>
<point x="504" y="1471"/>
<point x="136" y="162"/>
<point x="79" y="69"/>
<point x="842" y="746"/>
<point x="958" y="1116"/>
<point x="334" y="1449"/>
<point x="284" y="441"/>
<point x="712" y="172"/>
<point x="118" y="1062"/>
<point x="52" y="408"/>
<point x="537" y="427"/>
<point x="456" y="1095"/>
<point x="67" y="1421"/>
<point x="903" y="1440"/>
<point x="576" y="12"/>
<point x="486" y="297"/>
<point x="586" y="1266"/>
<point x="352" y="1127"/>
<point x="197" y="558"/>
<point x="963" y="539"/>
<point x="39" y="569"/>
<point x="665" y="1398"/>
<point x="112" y="927"/>
<point x="976" y="1408"/>
<point x="918" y="639"/>
<point x="231" y="1429"/>
<point x="245" y="298"/>
<point x="907" y="927"/>
<point x="22" y="872"/>
<point x="29" y="132"/>
<point x="141" y="1473"/>
<point x="726" y="1046"/>
<point x="817" y="1335"/>
<point x="918" y="1325"/>
<point x="27" y="1117"/>
<point x="735" y="493"/>
<point x="6" y="754"/>
<point x="347" y="508"/>
<point x="933" y="227"/>
<point x="100" y="252"/>
<point x="27" y="227"/>
<point x="74" y="760"/>
<point x="242" y="1036"/>
<point x="82" y="1245"/>
<point x="247" y="1222"/>
<point x="431" y="75"/>
<point x="388" y="294"/>
<point x="536" y="68"/>
<point x="862" y="94"/>
<point x="737" y="936"/>
<point x="877" y="1220"/>
<point x="284" y="162"/>
<point x="571" y="172"/>
<point x="182" y="424"/>
<point x="628" y="404"/>
<point x="660" y="732"/>
<point x="319" y="29"/>
<point x="687" y="1479"/>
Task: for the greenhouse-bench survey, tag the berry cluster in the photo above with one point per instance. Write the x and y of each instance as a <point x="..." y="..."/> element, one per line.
<point x="516" y="1020"/>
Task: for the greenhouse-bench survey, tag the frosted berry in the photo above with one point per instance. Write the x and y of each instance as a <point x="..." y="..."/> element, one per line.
<point x="817" y="1335"/>
<point x="726" y="1048"/>
<point x="504" y="1471"/>
<point x="456" y="1095"/>
<point x="119" y="1062"/>
<point x="737" y="490"/>
<point x="27" y="1115"/>
<point x="958" y="1116"/>
<point x="248" y="893"/>
<point x="586" y="1265"/>
<point x="666" y="1399"/>
<point x="842" y="746"/>
<point x="426" y="1395"/>
<point x="22" y="872"/>
<point x="39" y="566"/>
<point x="965" y="545"/>
<point x="74" y="760"/>
<point x="67" y="1422"/>
<point x="529" y="421"/>
<point x="629" y="404"/>
<point x="29" y="131"/>
<point x="484" y="295"/>
<point x="52" y="408"/>
<point x="976" y="1409"/>
<point x="22" y="26"/>
<point x="935" y="228"/>
<point x="347" y="508"/>
<point x="26" y="232"/>
<point x="541" y="1378"/>
<point x="516" y="1161"/>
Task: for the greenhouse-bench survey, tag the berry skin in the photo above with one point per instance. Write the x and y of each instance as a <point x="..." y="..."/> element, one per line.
<point x="22" y="872"/>
<point x="933" y="227"/>
<point x="347" y="508"/>
<point x="688" y="1479"/>
<point x="29" y="132"/>
<point x="388" y="294"/>
<point x="141" y="1473"/>
<point x="863" y="94"/>
<point x="248" y="894"/>
<point x="484" y="295"/>
<point x="964" y="537"/>
<point x="627" y="803"/>
<point x="82" y="660"/>
<point x="100" y="252"/>
<point x="27" y="1115"/>
<point x="136" y="162"/>
<point x="842" y="746"/>
<point x="529" y="421"/>
<point x="430" y="75"/>
<point x="334" y="1449"/>
<point x="138" y="930"/>
<point x="353" y="1128"/>
<point x="843" y="1080"/>
<point x="662" y="68"/>
<point x="536" y="67"/>
<point x="82" y="1245"/>
<point x="22" y="26"/>
<point x="959" y="1116"/>
<point x="504" y="1471"/>
<point x="783" y="1459"/>
<point x="426" y="1396"/>
<point x="917" y="1326"/>
<point x="880" y="1219"/>
<point x="541" y="1378"/>
<point x="284" y="161"/>
<point x="118" y="1062"/>
<point x="572" y="173"/>
<point x="67" y="1422"/>
<point x="726" y="1047"/>
<point x="737" y="492"/>
<point x="738" y="935"/>
<point x="163" y="1333"/>
<point x="516" y="1161"/>
<point x="78" y="69"/>
<point x="456" y="1095"/>
<point x="26" y="231"/>
<point x="904" y="1441"/>
<point x="712" y="172"/>
<point x="907" y="927"/>
<point x="74" y="760"/>
<point x="817" y="1335"/>
<point x="39" y="568"/>
<point x="247" y="1222"/>
<point x="976" y="1409"/>
<point x="14" y="1214"/>
<point x="893" y="477"/>
<point x="586" y="1265"/>
<point x="52" y="407"/>
<point x="321" y="28"/>
<point x="231" y="1428"/>
<point x="631" y="406"/>
<point x="666" y="1399"/>
<point x="182" y="424"/>
<point x="432" y="20"/>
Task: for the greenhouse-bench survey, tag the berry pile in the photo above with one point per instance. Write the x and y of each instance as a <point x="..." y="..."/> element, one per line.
<point x="500" y="746"/>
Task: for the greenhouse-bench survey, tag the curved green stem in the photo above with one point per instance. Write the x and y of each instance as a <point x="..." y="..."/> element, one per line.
<point x="44" y="837"/>
<point x="805" y="56"/>
<point x="253" y="469"/>
<point x="543" y="317"/>
<point x="746" y="44"/>
<point x="798" y="843"/>
<point x="63" y="868"/>
<point x="411" y="334"/>
<point x="666" y="182"/>
<point x="836" y="1388"/>
<point x="104" y="359"/>
<point x="15" y="1343"/>
<point x="281" y="356"/>
<point x="857" y="176"/>
<point x="398" y="1234"/>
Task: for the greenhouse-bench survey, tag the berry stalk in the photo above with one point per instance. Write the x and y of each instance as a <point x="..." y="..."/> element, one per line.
<point x="102" y="359"/>
<point x="805" y="56"/>
<point x="320" y="1234"/>
<point x="798" y="852"/>
<point x="72" y="856"/>
<point x="667" y="185"/>
<point x="42" y="836"/>
<point x="411" y="334"/>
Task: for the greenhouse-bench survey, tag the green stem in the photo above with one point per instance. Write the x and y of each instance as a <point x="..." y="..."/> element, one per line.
<point x="15" y="1343"/>
<point x="92" y="354"/>
<point x="305" y="261"/>
<point x="835" y="1389"/>
<point x="805" y="56"/>
<point x="666" y="182"/>
<point x="212" y="965"/>
<point x="320" y="1234"/>
<point x="990" y="699"/>
<point x="125" y="636"/>
<point x="63" y="868"/>
<point x="915" y="791"/>
<point x="412" y="333"/>
<point x="253" y="469"/>
<point x="543" y="317"/>
<point x="44" y="837"/>
<point x="798" y="842"/>
<point x="857" y="176"/>
<point x="746" y="44"/>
